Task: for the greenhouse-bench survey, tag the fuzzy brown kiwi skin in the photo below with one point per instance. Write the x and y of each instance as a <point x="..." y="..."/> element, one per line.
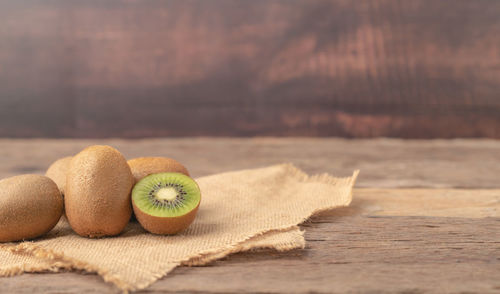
<point x="98" y="186"/>
<point x="30" y="206"/>
<point x="58" y="170"/>
<point x="164" y="225"/>
<point x="145" y="166"/>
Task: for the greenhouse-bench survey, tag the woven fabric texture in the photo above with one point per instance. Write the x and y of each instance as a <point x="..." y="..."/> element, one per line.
<point x="242" y="210"/>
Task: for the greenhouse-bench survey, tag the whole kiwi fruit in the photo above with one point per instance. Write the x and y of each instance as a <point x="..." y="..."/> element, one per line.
<point x="57" y="172"/>
<point x="166" y="203"/>
<point x="98" y="185"/>
<point x="144" y="166"/>
<point x="30" y="206"/>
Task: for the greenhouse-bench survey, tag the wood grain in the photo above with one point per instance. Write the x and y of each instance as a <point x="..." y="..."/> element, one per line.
<point x="364" y="255"/>
<point x="413" y="69"/>
<point x="383" y="163"/>
<point x="386" y="241"/>
<point x="344" y="254"/>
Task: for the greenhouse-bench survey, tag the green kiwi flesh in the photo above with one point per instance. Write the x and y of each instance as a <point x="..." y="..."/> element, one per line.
<point x="166" y="203"/>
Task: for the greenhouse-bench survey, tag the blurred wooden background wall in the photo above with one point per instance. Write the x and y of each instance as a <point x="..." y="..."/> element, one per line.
<point x="412" y="69"/>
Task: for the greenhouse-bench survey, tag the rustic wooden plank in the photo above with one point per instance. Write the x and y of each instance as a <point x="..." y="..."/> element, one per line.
<point x="363" y="248"/>
<point x="383" y="162"/>
<point x="477" y="203"/>
<point x="344" y="254"/>
<point x="364" y="255"/>
<point x="414" y="69"/>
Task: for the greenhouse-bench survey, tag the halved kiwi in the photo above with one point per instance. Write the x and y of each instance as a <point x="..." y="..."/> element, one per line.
<point x="166" y="203"/>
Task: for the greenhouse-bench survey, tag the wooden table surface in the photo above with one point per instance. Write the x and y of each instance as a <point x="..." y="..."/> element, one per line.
<point x="425" y="216"/>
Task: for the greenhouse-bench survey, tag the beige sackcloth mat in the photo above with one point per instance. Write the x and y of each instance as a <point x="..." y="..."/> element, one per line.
<point x="242" y="210"/>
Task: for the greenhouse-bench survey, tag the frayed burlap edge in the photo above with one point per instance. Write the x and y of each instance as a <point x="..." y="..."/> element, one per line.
<point x="63" y="262"/>
<point x="297" y="243"/>
<point x="57" y="262"/>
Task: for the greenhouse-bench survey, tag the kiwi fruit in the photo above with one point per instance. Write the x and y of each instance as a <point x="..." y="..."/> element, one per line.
<point x="166" y="203"/>
<point x="30" y="206"/>
<point x="57" y="172"/>
<point x="97" y="199"/>
<point x="144" y="166"/>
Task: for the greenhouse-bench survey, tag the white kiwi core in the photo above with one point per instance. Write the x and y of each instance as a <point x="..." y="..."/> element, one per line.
<point x="167" y="194"/>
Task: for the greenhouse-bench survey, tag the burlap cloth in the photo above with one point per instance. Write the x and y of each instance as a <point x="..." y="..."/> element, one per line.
<point x="241" y="210"/>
